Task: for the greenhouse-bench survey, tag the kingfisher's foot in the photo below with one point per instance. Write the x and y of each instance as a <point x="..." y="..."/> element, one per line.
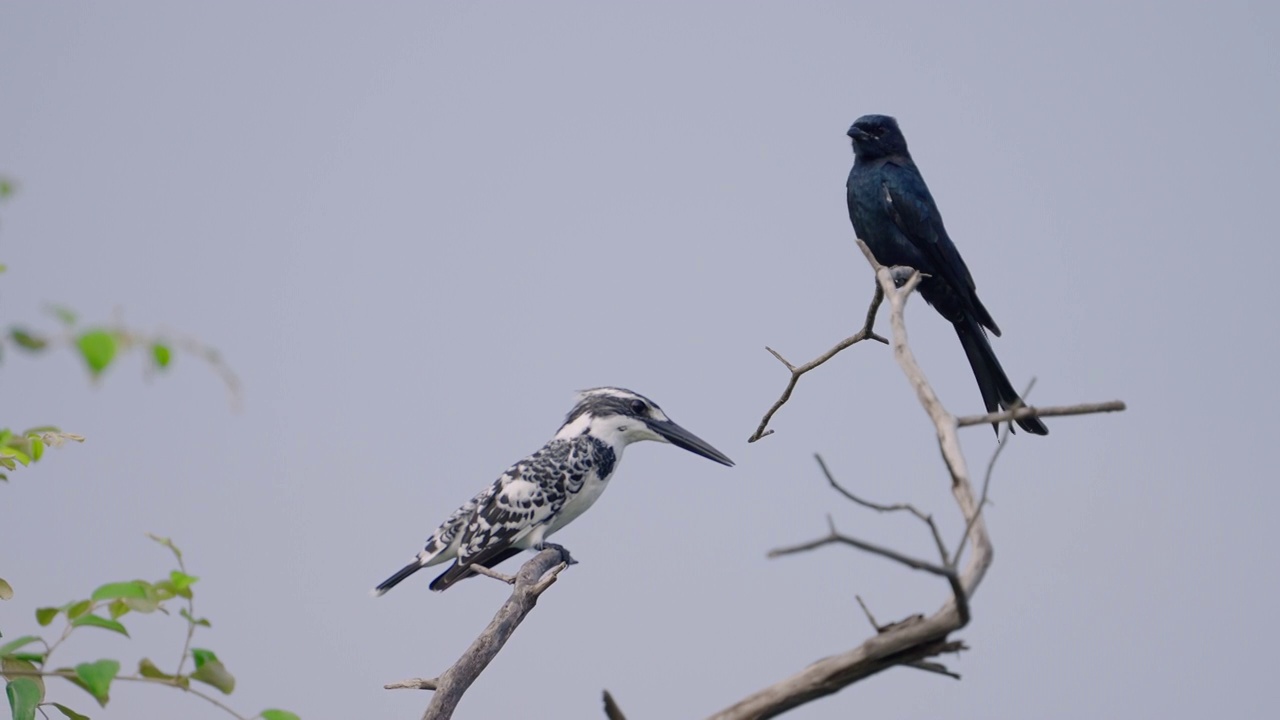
<point x="564" y="552"/>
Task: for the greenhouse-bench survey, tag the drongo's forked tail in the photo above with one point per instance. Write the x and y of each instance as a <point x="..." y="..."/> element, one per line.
<point x="997" y="391"/>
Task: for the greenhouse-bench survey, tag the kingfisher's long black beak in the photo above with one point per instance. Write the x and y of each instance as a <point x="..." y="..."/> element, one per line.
<point x="682" y="438"/>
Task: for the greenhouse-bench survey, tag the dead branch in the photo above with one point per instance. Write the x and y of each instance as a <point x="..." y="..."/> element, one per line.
<point x="926" y="519"/>
<point x="453" y="682"/>
<point x="866" y="333"/>
<point x="909" y="642"/>
<point x="1032" y="411"/>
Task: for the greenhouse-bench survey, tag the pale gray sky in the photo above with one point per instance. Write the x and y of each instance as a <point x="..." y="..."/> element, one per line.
<point x="415" y="229"/>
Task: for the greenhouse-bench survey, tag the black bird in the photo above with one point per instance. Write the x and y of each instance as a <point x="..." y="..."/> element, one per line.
<point x="893" y="212"/>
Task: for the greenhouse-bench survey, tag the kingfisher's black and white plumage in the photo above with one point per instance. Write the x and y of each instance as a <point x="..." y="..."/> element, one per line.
<point x="547" y="490"/>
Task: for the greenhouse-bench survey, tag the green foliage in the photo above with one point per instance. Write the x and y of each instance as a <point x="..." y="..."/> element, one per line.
<point x="24" y="698"/>
<point x="27" y="340"/>
<point x="161" y="355"/>
<point x="111" y="591"/>
<point x="210" y="670"/>
<point x="15" y="667"/>
<point x="95" y="621"/>
<point x="64" y="313"/>
<point x="97" y="677"/>
<point x="12" y="646"/>
<point x="28" y="446"/>
<point x="25" y="666"/>
<point x="69" y="712"/>
<point x="98" y="348"/>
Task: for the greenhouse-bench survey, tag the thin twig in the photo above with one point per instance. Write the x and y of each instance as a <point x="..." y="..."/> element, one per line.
<point x="70" y="674"/>
<point x="866" y="333"/>
<point x="191" y="618"/>
<point x="870" y="618"/>
<point x="414" y="684"/>
<point x="1032" y="411"/>
<point x="926" y="519"/>
<point x="836" y="538"/>
<point x="1001" y="441"/>
<point x="933" y="667"/>
<point x="490" y="572"/>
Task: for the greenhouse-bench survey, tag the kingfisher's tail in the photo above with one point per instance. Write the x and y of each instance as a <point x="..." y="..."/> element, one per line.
<point x="394" y="580"/>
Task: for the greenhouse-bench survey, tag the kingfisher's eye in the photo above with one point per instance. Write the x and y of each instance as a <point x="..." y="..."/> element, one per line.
<point x="638" y="407"/>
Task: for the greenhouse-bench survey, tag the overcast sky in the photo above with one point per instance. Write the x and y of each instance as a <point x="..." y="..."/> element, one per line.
<point x="415" y="229"/>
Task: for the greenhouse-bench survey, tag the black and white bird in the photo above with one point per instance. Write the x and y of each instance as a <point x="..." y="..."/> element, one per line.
<point x="547" y="490"/>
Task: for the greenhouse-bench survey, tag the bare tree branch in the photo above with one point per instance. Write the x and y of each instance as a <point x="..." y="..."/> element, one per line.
<point x="1005" y="432"/>
<point x="834" y="537"/>
<point x="926" y="519"/>
<point x="1032" y="411"/>
<point x="933" y="667"/>
<point x="867" y="611"/>
<point x="866" y="333"/>
<point x="452" y="683"/>
<point x="911" y="641"/>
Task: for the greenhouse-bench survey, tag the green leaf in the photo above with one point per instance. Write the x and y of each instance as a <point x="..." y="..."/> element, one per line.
<point x="63" y="313"/>
<point x="278" y="715"/>
<point x="97" y="677"/>
<point x="29" y="657"/>
<point x="37" y="447"/>
<point x="3" y="267"/>
<point x="161" y="355"/>
<point x="148" y="669"/>
<point x="9" y="647"/>
<point x="167" y="543"/>
<point x="7" y="187"/>
<point x="76" y="609"/>
<point x="15" y="454"/>
<point x="27" y="340"/>
<point x="117" y="608"/>
<point x="181" y="581"/>
<point x="98" y="347"/>
<point x="24" y="696"/>
<point x="105" y="624"/>
<point x="69" y="712"/>
<point x="202" y="621"/>
<point x="111" y="591"/>
<point x="6" y="590"/>
<point x="44" y="616"/>
<point x="147" y="604"/>
<point x="10" y="663"/>
<point x="202" y="656"/>
<point x="213" y="673"/>
<point x="8" y="463"/>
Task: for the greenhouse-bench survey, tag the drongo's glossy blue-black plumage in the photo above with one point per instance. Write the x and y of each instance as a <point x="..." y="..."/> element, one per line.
<point x="892" y="211"/>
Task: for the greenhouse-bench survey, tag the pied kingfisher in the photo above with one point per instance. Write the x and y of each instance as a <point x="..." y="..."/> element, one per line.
<point x="547" y="490"/>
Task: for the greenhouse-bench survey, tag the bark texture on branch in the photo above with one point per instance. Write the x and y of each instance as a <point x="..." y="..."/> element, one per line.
<point x="529" y="584"/>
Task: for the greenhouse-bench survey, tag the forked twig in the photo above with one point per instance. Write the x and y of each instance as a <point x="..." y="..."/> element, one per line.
<point x="866" y="333"/>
